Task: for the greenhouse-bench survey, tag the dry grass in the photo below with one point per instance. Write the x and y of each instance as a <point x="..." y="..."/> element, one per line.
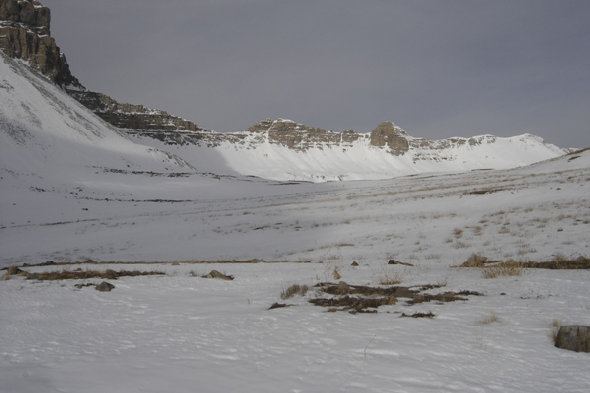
<point x="336" y="274"/>
<point x="86" y="274"/>
<point x="502" y="269"/>
<point x="390" y="278"/>
<point x="294" y="290"/>
<point x="457" y="232"/>
<point x="475" y="260"/>
<point x="493" y="317"/>
<point x="555" y="325"/>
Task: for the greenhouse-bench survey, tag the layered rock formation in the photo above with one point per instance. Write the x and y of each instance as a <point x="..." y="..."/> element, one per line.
<point x="130" y="116"/>
<point x="388" y="134"/>
<point x="25" y="34"/>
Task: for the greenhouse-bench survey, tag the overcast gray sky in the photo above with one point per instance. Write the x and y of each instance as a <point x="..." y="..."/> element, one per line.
<point x="437" y="68"/>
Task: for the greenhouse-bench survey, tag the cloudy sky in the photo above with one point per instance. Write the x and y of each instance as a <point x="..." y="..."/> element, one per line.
<point x="437" y="68"/>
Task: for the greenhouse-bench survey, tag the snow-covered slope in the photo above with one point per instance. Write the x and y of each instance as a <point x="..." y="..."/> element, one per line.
<point x="46" y="135"/>
<point x="327" y="156"/>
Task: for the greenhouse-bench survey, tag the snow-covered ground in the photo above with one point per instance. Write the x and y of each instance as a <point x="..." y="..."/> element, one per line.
<point x="253" y="154"/>
<point x="184" y="333"/>
<point x="73" y="189"/>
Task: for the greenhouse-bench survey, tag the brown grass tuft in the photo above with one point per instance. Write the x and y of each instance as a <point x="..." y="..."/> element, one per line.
<point x="493" y="317"/>
<point x="336" y="273"/>
<point x="509" y="268"/>
<point x="294" y="290"/>
<point x="474" y="260"/>
<point x="391" y="278"/>
<point x="555" y="325"/>
<point x="85" y="274"/>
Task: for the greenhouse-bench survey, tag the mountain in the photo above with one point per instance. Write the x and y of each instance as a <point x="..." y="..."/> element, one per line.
<point x="286" y="150"/>
<point x="37" y="82"/>
<point x="25" y="34"/>
<point x="47" y="136"/>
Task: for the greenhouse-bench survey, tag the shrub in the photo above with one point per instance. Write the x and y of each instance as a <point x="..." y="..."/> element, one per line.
<point x="294" y="290"/>
<point x="475" y="260"/>
<point x="509" y="268"/>
<point x="493" y="317"/>
<point x="390" y="278"/>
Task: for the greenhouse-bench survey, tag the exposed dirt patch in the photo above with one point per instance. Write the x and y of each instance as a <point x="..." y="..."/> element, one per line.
<point x="359" y="298"/>
<point x="85" y="274"/>
<point x="484" y="191"/>
<point x="394" y="262"/>
<point x="418" y="315"/>
<point x="278" y="305"/>
<point x="479" y="261"/>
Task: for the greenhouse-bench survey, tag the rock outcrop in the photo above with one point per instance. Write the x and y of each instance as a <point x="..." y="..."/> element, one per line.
<point x="300" y="137"/>
<point x="130" y="116"/>
<point x="388" y="134"/>
<point x="25" y="34"/>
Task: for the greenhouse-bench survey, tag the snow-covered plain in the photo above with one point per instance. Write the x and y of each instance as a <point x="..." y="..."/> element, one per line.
<point x="67" y="201"/>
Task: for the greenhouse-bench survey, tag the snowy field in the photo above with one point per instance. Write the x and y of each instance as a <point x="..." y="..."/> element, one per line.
<point x="73" y="189"/>
<point x="182" y="333"/>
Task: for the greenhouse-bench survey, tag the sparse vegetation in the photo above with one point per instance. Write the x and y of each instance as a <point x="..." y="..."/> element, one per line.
<point x="493" y="317"/>
<point x="358" y="298"/>
<point x="294" y="290"/>
<point x="336" y="274"/>
<point x="502" y="269"/>
<point x="555" y="325"/>
<point x="82" y="274"/>
<point x="390" y="278"/>
<point x="418" y="315"/>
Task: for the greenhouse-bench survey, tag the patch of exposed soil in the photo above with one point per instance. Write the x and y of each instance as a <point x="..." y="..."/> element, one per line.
<point x="278" y="305"/>
<point x="359" y="298"/>
<point x="579" y="263"/>
<point x="84" y="274"/>
<point x="418" y="315"/>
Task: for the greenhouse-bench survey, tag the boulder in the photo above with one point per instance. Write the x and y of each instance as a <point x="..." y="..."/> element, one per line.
<point x="574" y="338"/>
<point x="104" y="287"/>
<point x="219" y="275"/>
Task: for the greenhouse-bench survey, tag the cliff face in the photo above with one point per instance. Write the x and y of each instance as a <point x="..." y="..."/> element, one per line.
<point x="130" y="116"/>
<point x="388" y="134"/>
<point x="25" y="34"/>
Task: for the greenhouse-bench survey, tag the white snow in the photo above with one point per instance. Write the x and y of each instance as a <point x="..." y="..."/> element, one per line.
<point x="358" y="160"/>
<point x="73" y="189"/>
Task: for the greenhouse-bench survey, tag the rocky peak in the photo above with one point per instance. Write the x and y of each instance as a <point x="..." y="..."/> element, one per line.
<point x="388" y="134"/>
<point x="130" y="116"/>
<point x="298" y="136"/>
<point x="24" y="34"/>
<point x="29" y="14"/>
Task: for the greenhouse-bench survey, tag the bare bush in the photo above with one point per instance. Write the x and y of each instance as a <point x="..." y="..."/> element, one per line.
<point x="294" y="290"/>
<point x="493" y="317"/>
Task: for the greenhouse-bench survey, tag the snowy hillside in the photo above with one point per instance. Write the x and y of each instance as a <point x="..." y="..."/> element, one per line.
<point x="73" y="189"/>
<point x="180" y="332"/>
<point x="47" y="135"/>
<point x="330" y="156"/>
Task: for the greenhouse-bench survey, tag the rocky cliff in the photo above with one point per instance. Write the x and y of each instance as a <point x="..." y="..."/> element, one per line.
<point x="285" y="150"/>
<point x="130" y="116"/>
<point x="25" y="34"/>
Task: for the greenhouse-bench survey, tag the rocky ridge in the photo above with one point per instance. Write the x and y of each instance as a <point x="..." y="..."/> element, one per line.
<point x="300" y="137"/>
<point x="25" y="34"/>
